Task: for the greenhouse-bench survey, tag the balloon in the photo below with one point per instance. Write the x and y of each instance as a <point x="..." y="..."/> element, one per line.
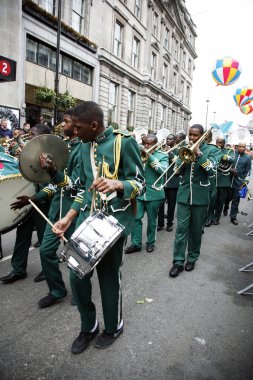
<point x="246" y="109"/>
<point x="226" y="71"/>
<point x="243" y="96"/>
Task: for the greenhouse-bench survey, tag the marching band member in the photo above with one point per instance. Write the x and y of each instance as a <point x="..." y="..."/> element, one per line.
<point x="61" y="203"/>
<point x="192" y="201"/>
<point x="155" y="165"/>
<point x="122" y="180"/>
<point x="241" y="171"/>
<point x="25" y="230"/>
<point x="223" y="179"/>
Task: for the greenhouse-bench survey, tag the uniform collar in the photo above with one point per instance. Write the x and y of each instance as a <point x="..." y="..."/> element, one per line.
<point x="102" y="136"/>
<point x="74" y="141"/>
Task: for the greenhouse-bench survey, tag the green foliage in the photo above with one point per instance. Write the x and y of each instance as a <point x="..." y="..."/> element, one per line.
<point x="130" y="128"/>
<point x="44" y="95"/>
<point x="65" y="101"/>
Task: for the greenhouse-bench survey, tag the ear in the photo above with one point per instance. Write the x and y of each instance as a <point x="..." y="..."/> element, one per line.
<point x="95" y="125"/>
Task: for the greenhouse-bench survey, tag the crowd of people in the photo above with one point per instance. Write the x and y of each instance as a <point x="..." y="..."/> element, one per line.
<point x="108" y="170"/>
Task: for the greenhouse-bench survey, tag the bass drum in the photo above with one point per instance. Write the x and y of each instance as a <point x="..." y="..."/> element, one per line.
<point x="12" y="185"/>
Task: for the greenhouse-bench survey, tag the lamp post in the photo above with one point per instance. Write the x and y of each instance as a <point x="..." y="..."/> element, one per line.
<point x="214" y="113"/>
<point x="207" y="101"/>
<point x="56" y="81"/>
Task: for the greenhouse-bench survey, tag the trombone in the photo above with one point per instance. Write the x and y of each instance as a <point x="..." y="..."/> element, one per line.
<point x="145" y="152"/>
<point x="186" y="153"/>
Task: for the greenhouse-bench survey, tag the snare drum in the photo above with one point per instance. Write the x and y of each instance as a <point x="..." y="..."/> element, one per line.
<point x="90" y="242"/>
<point x="12" y="185"/>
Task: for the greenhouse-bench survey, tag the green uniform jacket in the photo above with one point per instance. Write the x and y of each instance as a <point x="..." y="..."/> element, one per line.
<point x="68" y="180"/>
<point x="212" y="179"/>
<point x="174" y="181"/>
<point x="224" y="179"/>
<point x="156" y="164"/>
<point x="130" y="172"/>
<point x="194" y="185"/>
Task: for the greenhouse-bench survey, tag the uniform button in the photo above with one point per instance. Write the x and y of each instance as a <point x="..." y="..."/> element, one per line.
<point x="96" y="204"/>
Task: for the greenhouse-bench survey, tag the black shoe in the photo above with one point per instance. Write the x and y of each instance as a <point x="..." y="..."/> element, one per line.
<point x="234" y="221"/>
<point x="175" y="270"/>
<point x="189" y="266"/>
<point x="40" y="277"/>
<point x="208" y="223"/>
<point x="159" y="228"/>
<point x="216" y="222"/>
<point x="47" y="301"/>
<point x="105" y="340"/>
<point x="132" y="249"/>
<point x="73" y="302"/>
<point x="225" y="212"/>
<point x="12" y="277"/>
<point x="37" y="244"/>
<point x="150" y="248"/>
<point x="82" y="341"/>
<point x="170" y="227"/>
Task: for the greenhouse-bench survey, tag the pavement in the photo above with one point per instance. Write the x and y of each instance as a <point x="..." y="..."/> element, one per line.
<point x="194" y="326"/>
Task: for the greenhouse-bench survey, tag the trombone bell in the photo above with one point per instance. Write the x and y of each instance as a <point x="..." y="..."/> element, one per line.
<point x="186" y="154"/>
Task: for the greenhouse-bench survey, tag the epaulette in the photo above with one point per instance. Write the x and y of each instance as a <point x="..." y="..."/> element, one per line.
<point x="124" y="132"/>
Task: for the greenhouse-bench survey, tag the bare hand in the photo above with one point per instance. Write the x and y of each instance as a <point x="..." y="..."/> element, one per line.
<point x="233" y="171"/>
<point x="48" y="164"/>
<point x="61" y="226"/>
<point x="106" y="185"/>
<point x="21" y="202"/>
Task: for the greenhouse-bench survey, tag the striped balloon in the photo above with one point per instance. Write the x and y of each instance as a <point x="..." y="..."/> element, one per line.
<point x="226" y="71"/>
<point x="243" y="96"/>
<point x="246" y="109"/>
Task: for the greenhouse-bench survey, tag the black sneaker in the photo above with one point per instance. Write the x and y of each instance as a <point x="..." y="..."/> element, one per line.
<point x="40" y="277"/>
<point x="132" y="249"/>
<point x="82" y="341"/>
<point x="105" y="340"/>
<point x="175" y="270"/>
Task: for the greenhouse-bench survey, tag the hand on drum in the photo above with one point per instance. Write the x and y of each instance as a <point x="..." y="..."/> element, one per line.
<point x="106" y="185"/>
<point x="47" y="163"/>
<point x="20" y="203"/>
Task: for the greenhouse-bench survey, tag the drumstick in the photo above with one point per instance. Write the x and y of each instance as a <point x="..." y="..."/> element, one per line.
<point x="94" y="191"/>
<point x="44" y="216"/>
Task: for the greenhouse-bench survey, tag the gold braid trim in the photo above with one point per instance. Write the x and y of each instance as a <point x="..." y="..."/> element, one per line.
<point x="105" y="167"/>
<point x="10" y="176"/>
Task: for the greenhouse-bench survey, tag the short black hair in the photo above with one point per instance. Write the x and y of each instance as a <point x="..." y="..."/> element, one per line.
<point x="171" y="136"/>
<point x="199" y="127"/>
<point x="69" y="112"/>
<point x="181" y="135"/>
<point x="42" y="129"/>
<point x="88" y="112"/>
<point x="152" y="136"/>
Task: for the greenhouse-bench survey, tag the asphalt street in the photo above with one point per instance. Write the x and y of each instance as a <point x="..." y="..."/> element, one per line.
<point x="195" y="326"/>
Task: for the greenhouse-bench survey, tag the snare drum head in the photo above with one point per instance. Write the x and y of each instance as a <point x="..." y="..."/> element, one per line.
<point x="12" y="187"/>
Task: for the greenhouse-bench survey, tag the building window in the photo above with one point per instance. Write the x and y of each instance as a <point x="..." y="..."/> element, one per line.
<point x="77" y="15"/>
<point x="151" y="115"/>
<point x="184" y="59"/>
<point x="189" y="67"/>
<point x="137" y="9"/>
<point x="176" y="48"/>
<point x="187" y="95"/>
<point x="135" y="53"/>
<point x="44" y="55"/>
<point x="182" y="90"/>
<point x="166" y="42"/>
<point x="173" y="121"/>
<point x="48" y="5"/>
<point x="163" y="116"/>
<point x="118" y="39"/>
<point x="155" y="25"/>
<point x="174" y="84"/>
<point x="153" y="66"/>
<point x="165" y="75"/>
<point x="113" y="103"/>
<point x="131" y="106"/>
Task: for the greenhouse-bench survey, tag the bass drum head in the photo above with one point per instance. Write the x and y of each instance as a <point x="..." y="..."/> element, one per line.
<point x="12" y="187"/>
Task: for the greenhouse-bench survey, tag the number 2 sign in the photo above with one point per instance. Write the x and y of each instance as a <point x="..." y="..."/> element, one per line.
<point x="7" y="69"/>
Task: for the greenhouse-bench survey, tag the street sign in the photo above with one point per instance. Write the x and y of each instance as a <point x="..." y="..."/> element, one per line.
<point x="7" y="69"/>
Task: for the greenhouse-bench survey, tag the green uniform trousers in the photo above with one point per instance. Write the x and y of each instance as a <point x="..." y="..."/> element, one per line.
<point x="190" y="220"/>
<point x="109" y="277"/>
<point x="50" y="260"/>
<point x="152" y="208"/>
<point x="211" y="205"/>
<point x="24" y="234"/>
<point x="222" y="193"/>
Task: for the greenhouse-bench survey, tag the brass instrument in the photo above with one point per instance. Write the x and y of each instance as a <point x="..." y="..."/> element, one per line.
<point x="145" y="152"/>
<point x="224" y="165"/>
<point x="186" y="153"/>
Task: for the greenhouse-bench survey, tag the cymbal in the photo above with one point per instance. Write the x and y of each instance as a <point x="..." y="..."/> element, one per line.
<point x="29" y="159"/>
